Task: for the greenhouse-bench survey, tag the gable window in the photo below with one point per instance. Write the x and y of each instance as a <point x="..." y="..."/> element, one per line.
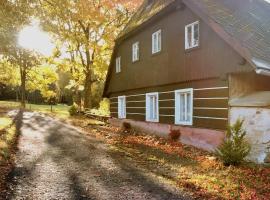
<point x="135" y="52"/>
<point x="156" y="42"/>
<point x="152" y="110"/>
<point x="184" y="107"/>
<point x="118" y="64"/>
<point x="122" y="107"/>
<point x="192" y="35"/>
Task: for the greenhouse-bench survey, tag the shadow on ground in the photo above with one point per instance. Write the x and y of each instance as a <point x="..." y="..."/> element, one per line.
<point x="57" y="161"/>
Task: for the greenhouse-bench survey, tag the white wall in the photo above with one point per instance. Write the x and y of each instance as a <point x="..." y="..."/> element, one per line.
<point x="257" y="125"/>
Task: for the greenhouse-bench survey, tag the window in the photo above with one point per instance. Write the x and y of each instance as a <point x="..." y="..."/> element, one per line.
<point x="118" y="65"/>
<point x="156" y="42"/>
<point x="152" y="110"/>
<point x="184" y="107"/>
<point x="192" y="35"/>
<point x="135" y="52"/>
<point x="122" y="107"/>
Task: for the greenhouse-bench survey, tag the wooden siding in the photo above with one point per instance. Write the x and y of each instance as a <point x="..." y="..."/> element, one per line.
<point x="210" y="103"/>
<point x="212" y="59"/>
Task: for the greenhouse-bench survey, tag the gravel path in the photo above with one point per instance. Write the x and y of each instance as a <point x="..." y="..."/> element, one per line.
<point x="57" y="161"/>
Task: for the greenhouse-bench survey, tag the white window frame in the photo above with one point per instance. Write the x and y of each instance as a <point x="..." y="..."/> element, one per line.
<point x="118" y="64"/>
<point x="148" y="114"/>
<point x="135" y="51"/>
<point x="193" y="44"/>
<point x="122" y="113"/>
<point x="156" y="41"/>
<point x="178" y="105"/>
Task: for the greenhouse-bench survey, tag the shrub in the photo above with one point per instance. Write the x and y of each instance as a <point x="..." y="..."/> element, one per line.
<point x="103" y="110"/>
<point x="126" y="126"/>
<point x="174" y="135"/>
<point x="73" y="110"/>
<point x="235" y="148"/>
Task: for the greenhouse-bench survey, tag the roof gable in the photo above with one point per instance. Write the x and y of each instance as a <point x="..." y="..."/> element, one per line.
<point x="243" y="24"/>
<point x="144" y="13"/>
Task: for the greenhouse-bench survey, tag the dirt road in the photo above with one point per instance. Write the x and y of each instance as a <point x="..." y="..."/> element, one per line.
<point x="58" y="161"/>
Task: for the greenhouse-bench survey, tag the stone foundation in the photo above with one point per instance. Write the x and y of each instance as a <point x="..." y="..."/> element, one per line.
<point x="257" y="125"/>
<point x="201" y="138"/>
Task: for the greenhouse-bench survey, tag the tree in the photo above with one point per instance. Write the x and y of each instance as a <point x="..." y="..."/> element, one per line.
<point x="25" y="60"/>
<point x="14" y="15"/>
<point x="86" y="29"/>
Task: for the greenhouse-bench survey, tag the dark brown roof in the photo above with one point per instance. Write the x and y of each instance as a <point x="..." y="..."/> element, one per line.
<point x="144" y="13"/>
<point x="244" y="24"/>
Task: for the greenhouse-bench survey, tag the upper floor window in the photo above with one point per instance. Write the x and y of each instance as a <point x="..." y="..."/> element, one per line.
<point x="135" y="52"/>
<point x="184" y="107"/>
<point x="118" y="64"/>
<point x="122" y="107"/>
<point x="156" y="42"/>
<point x="152" y="110"/>
<point x="192" y="35"/>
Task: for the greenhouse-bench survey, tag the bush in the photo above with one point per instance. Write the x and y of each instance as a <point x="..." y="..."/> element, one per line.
<point x="103" y="110"/>
<point x="126" y="126"/>
<point x="174" y="135"/>
<point x="235" y="148"/>
<point x="73" y="110"/>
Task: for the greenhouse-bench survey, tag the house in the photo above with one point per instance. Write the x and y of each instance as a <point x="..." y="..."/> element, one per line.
<point x="195" y="66"/>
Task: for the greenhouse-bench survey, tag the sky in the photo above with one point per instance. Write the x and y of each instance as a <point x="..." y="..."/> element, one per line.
<point x="34" y="38"/>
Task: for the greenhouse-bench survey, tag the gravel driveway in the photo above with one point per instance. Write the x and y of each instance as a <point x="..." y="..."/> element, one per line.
<point x="57" y="161"/>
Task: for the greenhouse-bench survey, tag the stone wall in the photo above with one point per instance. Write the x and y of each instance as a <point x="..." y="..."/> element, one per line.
<point x="257" y="125"/>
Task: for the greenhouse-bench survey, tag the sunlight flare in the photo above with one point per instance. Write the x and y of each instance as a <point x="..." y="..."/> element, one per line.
<point x="34" y="38"/>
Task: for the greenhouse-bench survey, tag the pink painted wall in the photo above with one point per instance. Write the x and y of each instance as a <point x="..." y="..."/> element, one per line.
<point x="205" y="139"/>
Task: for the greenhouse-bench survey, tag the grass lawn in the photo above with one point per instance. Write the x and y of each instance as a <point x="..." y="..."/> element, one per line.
<point x="59" y="110"/>
<point x="7" y="135"/>
<point x="192" y="170"/>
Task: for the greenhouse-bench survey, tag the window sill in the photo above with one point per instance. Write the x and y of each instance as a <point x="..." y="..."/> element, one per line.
<point x="152" y="121"/>
<point x="136" y="61"/>
<point x="157" y="53"/>
<point x="192" y="49"/>
<point x="184" y="123"/>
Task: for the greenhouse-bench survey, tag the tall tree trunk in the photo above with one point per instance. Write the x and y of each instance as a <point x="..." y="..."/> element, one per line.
<point x="23" y="84"/>
<point x="88" y="91"/>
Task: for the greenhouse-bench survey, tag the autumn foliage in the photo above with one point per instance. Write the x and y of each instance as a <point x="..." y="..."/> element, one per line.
<point x="192" y="170"/>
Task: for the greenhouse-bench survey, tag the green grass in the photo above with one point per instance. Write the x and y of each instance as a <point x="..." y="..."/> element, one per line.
<point x="59" y="110"/>
<point x="4" y="122"/>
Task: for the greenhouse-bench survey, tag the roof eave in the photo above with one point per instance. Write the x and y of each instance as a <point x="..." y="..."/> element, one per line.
<point x="171" y="7"/>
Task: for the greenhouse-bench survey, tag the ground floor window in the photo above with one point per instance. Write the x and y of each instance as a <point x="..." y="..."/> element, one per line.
<point x="122" y="107"/>
<point x="184" y="107"/>
<point x="152" y="110"/>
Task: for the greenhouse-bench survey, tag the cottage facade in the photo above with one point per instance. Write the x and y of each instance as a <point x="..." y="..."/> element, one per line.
<point x="196" y="66"/>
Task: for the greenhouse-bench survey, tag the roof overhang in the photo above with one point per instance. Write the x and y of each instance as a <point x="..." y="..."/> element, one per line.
<point x="262" y="67"/>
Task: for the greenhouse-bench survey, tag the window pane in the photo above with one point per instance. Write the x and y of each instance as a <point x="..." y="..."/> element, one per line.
<point x="159" y="41"/>
<point x="189" y="36"/>
<point x="151" y="107"/>
<point x="154" y="107"/>
<point x="196" y="34"/>
<point x="189" y="107"/>
<point x="138" y="51"/>
<point x="182" y="107"/>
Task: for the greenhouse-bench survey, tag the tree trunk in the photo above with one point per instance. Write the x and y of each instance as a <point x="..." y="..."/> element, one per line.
<point x="23" y="90"/>
<point x="88" y="91"/>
